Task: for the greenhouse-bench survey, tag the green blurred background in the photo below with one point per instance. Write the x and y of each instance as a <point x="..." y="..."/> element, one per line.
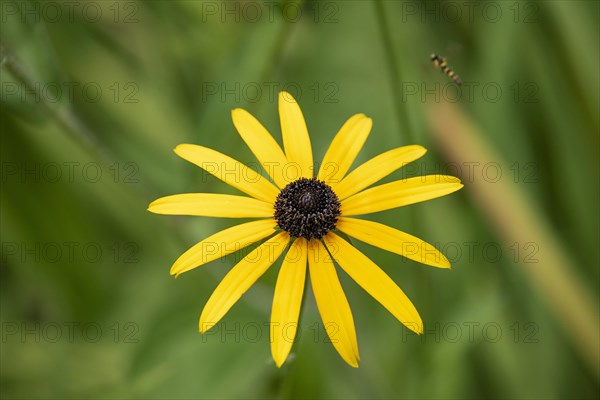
<point x="95" y="95"/>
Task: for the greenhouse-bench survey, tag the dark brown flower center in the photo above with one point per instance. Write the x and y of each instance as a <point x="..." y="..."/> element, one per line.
<point x="307" y="208"/>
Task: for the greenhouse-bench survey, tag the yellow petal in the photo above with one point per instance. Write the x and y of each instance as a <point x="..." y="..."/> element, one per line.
<point x="344" y="148"/>
<point x="223" y="243"/>
<point x="262" y="144"/>
<point x="393" y="240"/>
<point x="295" y="138"/>
<point x="230" y="171"/>
<point x="374" y="281"/>
<point x="240" y="278"/>
<point x="332" y="303"/>
<point x="376" y="169"/>
<point x="212" y="205"/>
<point x="400" y="193"/>
<point x="287" y="301"/>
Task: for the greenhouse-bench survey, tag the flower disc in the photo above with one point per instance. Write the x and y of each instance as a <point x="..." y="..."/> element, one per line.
<point x="307" y="208"/>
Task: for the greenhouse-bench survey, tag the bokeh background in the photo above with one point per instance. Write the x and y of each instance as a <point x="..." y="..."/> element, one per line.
<point x="96" y="94"/>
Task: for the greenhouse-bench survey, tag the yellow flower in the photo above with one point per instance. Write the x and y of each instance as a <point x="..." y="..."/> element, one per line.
<point x="304" y="213"/>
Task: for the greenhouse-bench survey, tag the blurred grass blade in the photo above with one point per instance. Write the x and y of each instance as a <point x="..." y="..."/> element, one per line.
<point x="515" y="219"/>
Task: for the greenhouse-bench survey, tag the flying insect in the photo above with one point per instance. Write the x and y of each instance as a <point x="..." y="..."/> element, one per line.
<point x="440" y="62"/>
